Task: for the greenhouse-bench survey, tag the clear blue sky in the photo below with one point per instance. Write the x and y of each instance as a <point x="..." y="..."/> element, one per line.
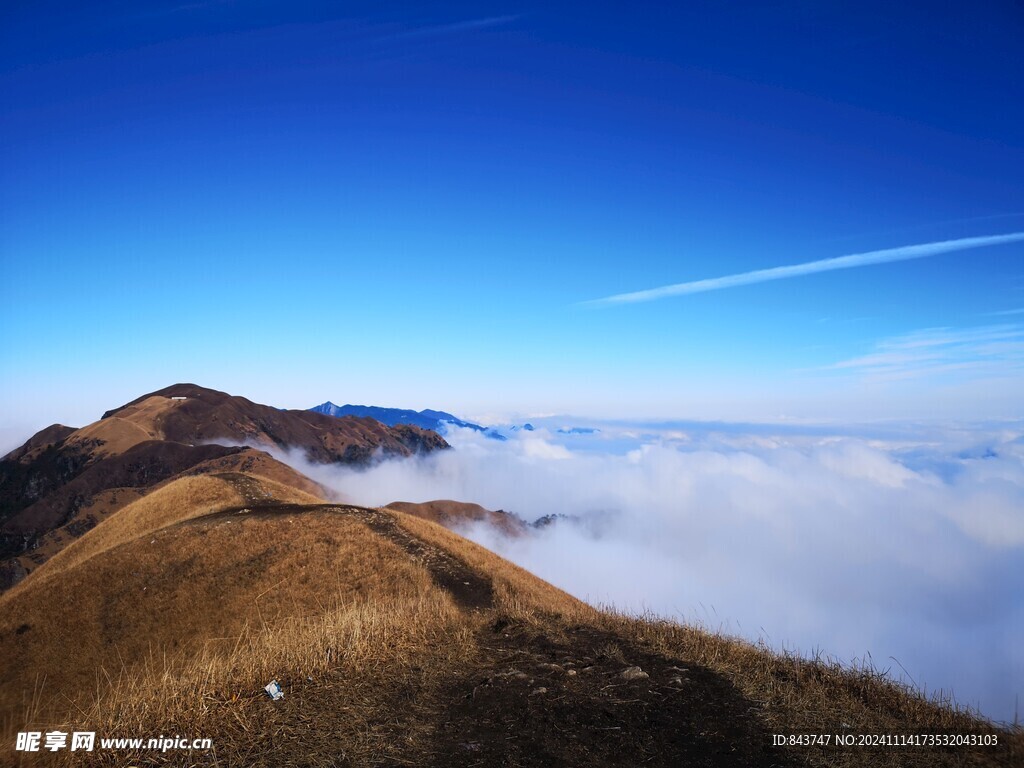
<point x="407" y="204"/>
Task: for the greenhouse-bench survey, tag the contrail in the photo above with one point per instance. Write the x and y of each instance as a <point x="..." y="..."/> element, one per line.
<point x="903" y="253"/>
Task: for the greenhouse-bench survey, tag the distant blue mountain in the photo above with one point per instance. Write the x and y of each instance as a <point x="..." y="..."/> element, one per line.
<point x="437" y="420"/>
<point x="426" y="419"/>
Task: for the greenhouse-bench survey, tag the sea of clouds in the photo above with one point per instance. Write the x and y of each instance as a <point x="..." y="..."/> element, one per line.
<point x="902" y="545"/>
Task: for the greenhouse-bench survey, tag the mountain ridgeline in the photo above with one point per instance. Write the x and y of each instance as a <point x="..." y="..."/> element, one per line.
<point x="63" y="480"/>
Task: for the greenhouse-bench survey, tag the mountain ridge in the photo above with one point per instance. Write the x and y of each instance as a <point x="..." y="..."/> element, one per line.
<point x="58" y="472"/>
<point x="394" y="640"/>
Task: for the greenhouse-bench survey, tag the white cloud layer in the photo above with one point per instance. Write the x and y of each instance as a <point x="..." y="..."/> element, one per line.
<point x="905" y="550"/>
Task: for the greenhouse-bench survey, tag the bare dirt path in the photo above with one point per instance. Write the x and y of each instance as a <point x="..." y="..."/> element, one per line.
<point x="538" y="699"/>
<point x="250" y="488"/>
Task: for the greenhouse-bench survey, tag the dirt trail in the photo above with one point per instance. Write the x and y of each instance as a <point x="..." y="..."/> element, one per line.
<point x="468" y="588"/>
<point x="249" y="487"/>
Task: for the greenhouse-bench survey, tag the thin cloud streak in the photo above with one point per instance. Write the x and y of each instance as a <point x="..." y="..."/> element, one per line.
<point x="903" y="253"/>
<point x="996" y="350"/>
<point x="458" y="26"/>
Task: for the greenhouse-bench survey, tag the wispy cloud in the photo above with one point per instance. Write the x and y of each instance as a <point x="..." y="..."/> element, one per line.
<point x="454" y="27"/>
<point x="903" y="253"/>
<point x="994" y="350"/>
<point x="1005" y="312"/>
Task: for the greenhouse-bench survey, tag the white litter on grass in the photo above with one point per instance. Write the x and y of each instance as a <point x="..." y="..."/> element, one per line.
<point x="273" y="689"/>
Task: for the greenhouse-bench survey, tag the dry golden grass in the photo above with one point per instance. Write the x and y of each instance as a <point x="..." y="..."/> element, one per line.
<point x="279" y="481"/>
<point x="816" y="695"/>
<point x="117" y="434"/>
<point x="275" y="588"/>
<point x="212" y="609"/>
<point x="131" y="426"/>
<point x="151" y="412"/>
<point x="180" y="499"/>
<point x="344" y="671"/>
<point x="172" y="503"/>
<point x="162" y="621"/>
<point x="262" y="466"/>
<point x="274" y="490"/>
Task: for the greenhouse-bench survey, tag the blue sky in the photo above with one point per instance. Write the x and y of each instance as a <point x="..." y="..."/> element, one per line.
<point x="411" y="206"/>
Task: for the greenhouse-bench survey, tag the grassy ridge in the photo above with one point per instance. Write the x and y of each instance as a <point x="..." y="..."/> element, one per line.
<point x="400" y="642"/>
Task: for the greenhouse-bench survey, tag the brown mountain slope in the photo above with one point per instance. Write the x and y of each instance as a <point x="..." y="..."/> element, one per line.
<point x="92" y="508"/>
<point x="72" y="507"/>
<point x="140" y="466"/>
<point x="38" y="442"/>
<point x="396" y="642"/>
<point x="47" y="482"/>
<point x="188" y="413"/>
<point x="262" y="465"/>
<point x="452" y="514"/>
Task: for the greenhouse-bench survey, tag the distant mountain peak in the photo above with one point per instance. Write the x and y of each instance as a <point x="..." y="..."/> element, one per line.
<point x="425" y="419"/>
